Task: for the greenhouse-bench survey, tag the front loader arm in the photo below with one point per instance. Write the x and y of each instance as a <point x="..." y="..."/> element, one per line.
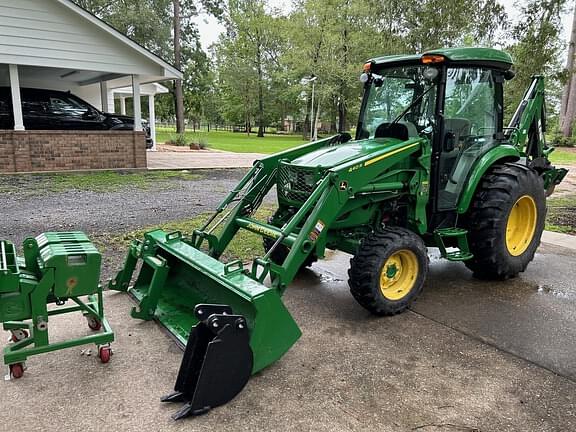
<point x="248" y="195"/>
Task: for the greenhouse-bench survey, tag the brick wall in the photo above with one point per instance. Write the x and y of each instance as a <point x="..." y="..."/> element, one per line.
<point x="25" y="151"/>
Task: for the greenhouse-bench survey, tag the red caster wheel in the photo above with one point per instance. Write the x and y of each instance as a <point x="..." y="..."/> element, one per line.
<point x="18" y="335"/>
<point x="17" y="370"/>
<point x="94" y="323"/>
<point x="105" y="353"/>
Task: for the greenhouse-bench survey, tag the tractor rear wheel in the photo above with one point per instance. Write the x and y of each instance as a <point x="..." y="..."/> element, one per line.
<point x="388" y="272"/>
<point x="505" y="221"/>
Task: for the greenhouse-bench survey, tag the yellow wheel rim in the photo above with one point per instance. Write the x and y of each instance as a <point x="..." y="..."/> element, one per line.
<point x="398" y="274"/>
<point x="521" y="225"/>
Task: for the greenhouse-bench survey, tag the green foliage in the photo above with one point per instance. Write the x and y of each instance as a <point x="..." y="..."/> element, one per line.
<point x="179" y="140"/>
<point x="561" y="141"/>
<point x="536" y="50"/>
<point x="253" y="74"/>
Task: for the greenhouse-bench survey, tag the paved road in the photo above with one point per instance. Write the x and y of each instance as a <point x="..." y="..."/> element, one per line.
<point x="471" y="356"/>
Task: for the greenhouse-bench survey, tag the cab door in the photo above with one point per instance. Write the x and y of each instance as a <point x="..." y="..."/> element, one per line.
<point x="471" y="119"/>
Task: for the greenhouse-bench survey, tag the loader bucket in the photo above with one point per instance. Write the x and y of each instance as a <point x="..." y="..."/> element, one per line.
<point x="175" y="277"/>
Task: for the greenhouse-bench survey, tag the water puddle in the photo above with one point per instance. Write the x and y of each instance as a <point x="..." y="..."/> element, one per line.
<point x="326" y="278"/>
<point x="548" y="290"/>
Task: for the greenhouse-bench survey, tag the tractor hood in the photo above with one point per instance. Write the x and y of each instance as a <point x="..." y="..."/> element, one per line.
<point x="328" y="157"/>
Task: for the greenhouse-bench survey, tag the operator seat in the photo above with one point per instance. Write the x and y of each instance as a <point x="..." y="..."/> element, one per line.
<point x="401" y="130"/>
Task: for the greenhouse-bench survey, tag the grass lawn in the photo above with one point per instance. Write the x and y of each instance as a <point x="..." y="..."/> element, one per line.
<point x="561" y="216"/>
<point x="96" y="181"/>
<point x="563" y="156"/>
<point x="237" y="142"/>
<point x="245" y="246"/>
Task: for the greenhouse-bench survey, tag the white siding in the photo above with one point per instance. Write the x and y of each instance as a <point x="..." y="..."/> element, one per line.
<point x="46" y="33"/>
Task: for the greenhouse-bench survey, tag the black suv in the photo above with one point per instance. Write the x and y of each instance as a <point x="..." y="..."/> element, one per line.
<point x="56" y="110"/>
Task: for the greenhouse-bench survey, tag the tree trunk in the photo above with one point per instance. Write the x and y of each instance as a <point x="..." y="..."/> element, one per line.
<point x="306" y="125"/>
<point x="570" y="114"/>
<point x="260" y="90"/>
<point x="342" y="126"/>
<point x="178" y="91"/>
<point x="567" y="95"/>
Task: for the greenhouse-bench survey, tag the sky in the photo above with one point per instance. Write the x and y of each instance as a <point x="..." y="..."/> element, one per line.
<point x="210" y="29"/>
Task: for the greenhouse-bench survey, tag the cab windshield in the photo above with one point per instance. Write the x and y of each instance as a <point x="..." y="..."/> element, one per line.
<point x="403" y="95"/>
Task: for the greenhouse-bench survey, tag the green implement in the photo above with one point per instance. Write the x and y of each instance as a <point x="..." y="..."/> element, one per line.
<point x="175" y="277"/>
<point x="57" y="267"/>
<point x="431" y="165"/>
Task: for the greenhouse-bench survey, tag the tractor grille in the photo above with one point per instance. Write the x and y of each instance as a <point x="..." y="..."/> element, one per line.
<point x="296" y="183"/>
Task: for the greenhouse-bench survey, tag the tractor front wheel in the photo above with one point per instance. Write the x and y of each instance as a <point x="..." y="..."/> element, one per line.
<point x="505" y="221"/>
<point x="388" y="272"/>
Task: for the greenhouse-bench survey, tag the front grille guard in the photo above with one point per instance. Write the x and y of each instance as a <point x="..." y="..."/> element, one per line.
<point x="296" y="184"/>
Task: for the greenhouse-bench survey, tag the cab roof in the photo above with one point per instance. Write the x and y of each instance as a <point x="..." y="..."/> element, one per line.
<point x="488" y="57"/>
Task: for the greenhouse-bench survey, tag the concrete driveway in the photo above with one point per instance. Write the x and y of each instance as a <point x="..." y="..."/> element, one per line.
<point x="204" y="159"/>
<point x="470" y="356"/>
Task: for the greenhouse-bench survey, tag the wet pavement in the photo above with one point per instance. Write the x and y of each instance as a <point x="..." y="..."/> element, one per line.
<point x="532" y="316"/>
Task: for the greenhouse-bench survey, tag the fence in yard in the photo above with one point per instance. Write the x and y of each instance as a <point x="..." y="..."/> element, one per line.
<point x="204" y="127"/>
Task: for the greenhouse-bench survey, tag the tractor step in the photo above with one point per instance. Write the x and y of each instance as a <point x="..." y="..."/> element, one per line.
<point x="457" y="236"/>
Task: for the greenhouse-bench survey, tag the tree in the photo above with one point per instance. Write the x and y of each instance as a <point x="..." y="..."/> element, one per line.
<point x="247" y="56"/>
<point x="536" y="49"/>
<point x="568" y="104"/>
<point x="147" y="22"/>
<point x="172" y="36"/>
<point x="178" y="92"/>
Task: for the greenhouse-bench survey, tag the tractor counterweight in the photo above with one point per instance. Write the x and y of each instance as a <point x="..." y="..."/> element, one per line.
<point x="56" y="268"/>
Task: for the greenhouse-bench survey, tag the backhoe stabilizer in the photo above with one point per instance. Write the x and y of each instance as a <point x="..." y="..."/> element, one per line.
<point x="175" y="278"/>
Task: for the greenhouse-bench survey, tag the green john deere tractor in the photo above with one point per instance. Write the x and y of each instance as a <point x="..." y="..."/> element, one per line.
<point x="431" y="165"/>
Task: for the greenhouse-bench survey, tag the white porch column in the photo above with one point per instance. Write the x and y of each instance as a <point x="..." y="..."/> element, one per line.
<point x="136" y="99"/>
<point x="123" y="105"/>
<point x="152" y="120"/>
<point x="111" y="104"/>
<point x="104" y="96"/>
<point x="16" y="100"/>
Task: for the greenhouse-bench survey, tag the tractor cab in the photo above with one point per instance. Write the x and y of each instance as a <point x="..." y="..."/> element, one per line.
<point x="452" y="97"/>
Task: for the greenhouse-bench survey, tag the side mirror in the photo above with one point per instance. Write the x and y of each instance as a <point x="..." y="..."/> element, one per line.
<point x="449" y="141"/>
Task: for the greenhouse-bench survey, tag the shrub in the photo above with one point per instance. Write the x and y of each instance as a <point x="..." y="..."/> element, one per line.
<point x="199" y="140"/>
<point x="178" y="140"/>
<point x="562" y="141"/>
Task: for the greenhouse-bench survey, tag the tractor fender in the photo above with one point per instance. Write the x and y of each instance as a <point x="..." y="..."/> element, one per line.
<point x="502" y="153"/>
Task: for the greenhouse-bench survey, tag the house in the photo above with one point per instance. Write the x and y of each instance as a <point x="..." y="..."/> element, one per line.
<point x="55" y="44"/>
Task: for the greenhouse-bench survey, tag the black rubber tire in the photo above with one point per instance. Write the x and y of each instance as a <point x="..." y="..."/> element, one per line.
<point x="366" y="267"/>
<point x="487" y="220"/>
<point x="281" y="252"/>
